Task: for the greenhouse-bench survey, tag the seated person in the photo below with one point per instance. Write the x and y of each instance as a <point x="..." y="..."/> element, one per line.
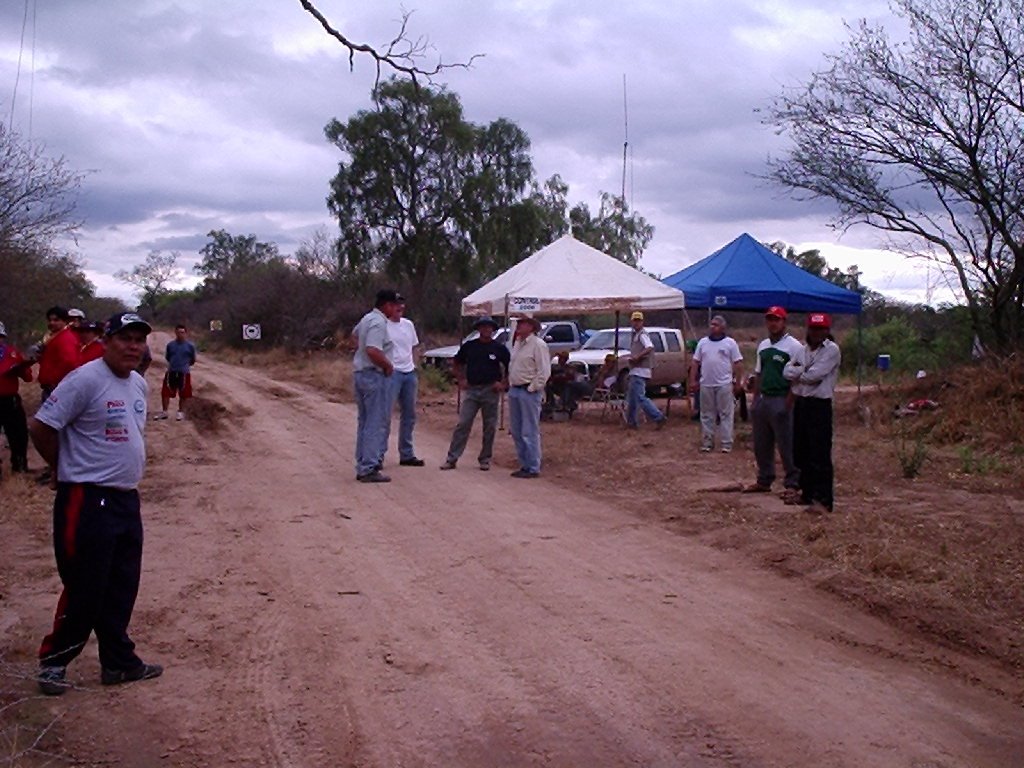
<point x="608" y="374"/>
<point x="561" y="374"/>
<point x="576" y="388"/>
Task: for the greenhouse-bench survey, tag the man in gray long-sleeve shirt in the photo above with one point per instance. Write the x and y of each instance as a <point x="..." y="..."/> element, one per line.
<point x="812" y="378"/>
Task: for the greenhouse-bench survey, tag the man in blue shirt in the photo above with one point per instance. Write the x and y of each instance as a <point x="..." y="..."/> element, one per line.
<point x="372" y="369"/>
<point x="181" y="356"/>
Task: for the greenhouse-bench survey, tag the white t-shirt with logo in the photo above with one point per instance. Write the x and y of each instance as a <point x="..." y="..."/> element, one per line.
<point x="101" y="419"/>
<point x="403" y="338"/>
<point x="716" y="359"/>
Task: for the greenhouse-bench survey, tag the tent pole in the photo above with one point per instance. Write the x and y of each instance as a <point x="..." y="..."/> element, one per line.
<point x="501" y="395"/>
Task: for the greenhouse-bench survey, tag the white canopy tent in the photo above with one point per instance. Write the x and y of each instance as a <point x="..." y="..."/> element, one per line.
<point x="570" y="277"/>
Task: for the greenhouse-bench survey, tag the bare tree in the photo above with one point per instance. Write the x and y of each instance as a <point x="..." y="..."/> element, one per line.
<point x="922" y="137"/>
<point x="153" y="277"/>
<point x="37" y="195"/>
<point x="400" y="54"/>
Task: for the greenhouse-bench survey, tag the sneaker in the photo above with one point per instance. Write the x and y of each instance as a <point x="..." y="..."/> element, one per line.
<point x="757" y="488"/>
<point x="485" y="467"/>
<point x="525" y="474"/>
<point x="52" y="680"/>
<point x="160" y="416"/>
<point x="119" y="676"/>
<point x="448" y="465"/>
<point x="726" y="450"/>
<point x="373" y="477"/>
<point x="413" y="462"/>
<point x="179" y="416"/>
<point x="705" y="449"/>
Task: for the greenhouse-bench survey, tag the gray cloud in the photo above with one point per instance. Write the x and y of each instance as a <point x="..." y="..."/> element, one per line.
<point x="194" y="116"/>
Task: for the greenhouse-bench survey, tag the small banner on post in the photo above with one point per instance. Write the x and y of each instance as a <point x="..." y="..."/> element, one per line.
<point x="216" y="325"/>
<point x="251" y="332"/>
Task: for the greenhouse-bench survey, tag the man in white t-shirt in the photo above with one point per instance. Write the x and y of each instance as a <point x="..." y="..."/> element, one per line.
<point x="404" y="384"/>
<point x="90" y="431"/>
<point x="721" y="370"/>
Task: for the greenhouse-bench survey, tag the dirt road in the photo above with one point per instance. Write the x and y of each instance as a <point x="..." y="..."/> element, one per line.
<point x="471" y="619"/>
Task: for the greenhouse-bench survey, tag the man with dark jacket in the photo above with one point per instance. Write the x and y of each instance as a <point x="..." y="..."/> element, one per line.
<point x="481" y="370"/>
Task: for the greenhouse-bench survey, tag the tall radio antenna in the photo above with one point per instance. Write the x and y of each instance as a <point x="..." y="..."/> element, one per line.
<point x="625" y="142"/>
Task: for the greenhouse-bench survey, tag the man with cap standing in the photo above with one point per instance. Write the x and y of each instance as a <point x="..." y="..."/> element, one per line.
<point x="771" y="412"/>
<point x="14" y="369"/>
<point x="372" y="369"/>
<point x="813" y="378"/>
<point x="641" y="361"/>
<point x="90" y="431"/>
<point x="528" y="372"/>
<point x="481" y="370"/>
<point x="720" y="365"/>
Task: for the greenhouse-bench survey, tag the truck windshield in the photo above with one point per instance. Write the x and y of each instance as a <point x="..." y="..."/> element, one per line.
<point x="606" y="340"/>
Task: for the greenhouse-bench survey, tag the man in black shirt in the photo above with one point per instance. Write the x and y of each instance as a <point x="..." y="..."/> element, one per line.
<point x="481" y="369"/>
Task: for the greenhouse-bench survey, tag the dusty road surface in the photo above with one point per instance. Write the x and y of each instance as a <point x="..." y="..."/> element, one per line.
<point x="471" y="619"/>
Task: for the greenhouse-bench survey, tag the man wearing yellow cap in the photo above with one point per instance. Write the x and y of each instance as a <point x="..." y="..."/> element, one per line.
<point x="641" y="361"/>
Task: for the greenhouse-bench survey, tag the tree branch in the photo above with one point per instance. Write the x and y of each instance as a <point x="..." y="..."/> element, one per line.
<point x="400" y="54"/>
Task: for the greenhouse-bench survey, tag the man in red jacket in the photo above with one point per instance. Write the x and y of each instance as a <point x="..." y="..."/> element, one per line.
<point x="14" y="369"/>
<point x="59" y="355"/>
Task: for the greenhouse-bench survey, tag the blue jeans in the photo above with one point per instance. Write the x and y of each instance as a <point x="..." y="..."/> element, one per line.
<point x="402" y="388"/>
<point x="371" y="434"/>
<point x="636" y="395"/>
<point x="524" y="424"/>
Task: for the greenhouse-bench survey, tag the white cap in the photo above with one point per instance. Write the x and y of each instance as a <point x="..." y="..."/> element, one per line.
<point x="3" y="329"/>
<point x="76" y="313"/>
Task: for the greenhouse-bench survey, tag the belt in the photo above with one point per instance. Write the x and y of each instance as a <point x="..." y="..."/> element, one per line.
<point x="521" y="386"/>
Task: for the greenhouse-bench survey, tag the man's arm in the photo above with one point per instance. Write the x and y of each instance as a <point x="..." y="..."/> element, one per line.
<point x="822" y="365"/>
<point x="46" y="439"/>
<point x="737" y="376"/>
<point x="378" y="358"/>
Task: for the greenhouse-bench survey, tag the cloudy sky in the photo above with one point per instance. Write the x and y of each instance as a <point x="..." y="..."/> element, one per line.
<point x="191" y="115"/>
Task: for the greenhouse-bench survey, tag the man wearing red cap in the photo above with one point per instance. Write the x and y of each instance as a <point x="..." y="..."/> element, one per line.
<point x="813" y="380"/>
<point x="771" y="414"/>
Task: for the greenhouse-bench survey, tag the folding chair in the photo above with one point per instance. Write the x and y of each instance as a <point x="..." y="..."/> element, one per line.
<point x="611" y="400"/>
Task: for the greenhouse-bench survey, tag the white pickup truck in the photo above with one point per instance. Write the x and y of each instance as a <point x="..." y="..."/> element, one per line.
<point x="669" y="357"/>
<point x="559" y="335"/>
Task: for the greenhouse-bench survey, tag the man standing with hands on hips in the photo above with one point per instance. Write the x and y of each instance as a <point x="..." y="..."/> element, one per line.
<point x="372" y="370"/>
<point x="528" y="373"/>
<point x="90" y="431"/>
<point x="481" y="370"/>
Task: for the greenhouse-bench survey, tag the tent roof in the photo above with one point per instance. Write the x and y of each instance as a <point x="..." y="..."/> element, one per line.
<point x="570" y="277"/>
<point x="746" y="275"/>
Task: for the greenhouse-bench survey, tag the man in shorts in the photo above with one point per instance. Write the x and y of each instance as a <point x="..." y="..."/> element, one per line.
<point x="90" y="432"/>
<point x="181" y="356"/>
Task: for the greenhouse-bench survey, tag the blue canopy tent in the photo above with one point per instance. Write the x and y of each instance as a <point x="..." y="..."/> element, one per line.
<point x="746" y="275"/>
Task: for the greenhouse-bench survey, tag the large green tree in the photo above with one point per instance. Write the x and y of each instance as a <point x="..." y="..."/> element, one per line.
<point x="424" y="195"/>
<point x="922" y="136"/>
<point x="226" y="254"/>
